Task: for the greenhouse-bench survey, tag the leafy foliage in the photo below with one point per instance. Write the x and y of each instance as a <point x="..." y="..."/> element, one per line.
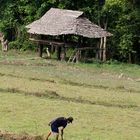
<point x="120" y="17"/>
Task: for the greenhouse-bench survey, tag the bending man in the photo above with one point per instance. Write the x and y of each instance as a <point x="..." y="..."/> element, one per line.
<point x="56" y="123"/>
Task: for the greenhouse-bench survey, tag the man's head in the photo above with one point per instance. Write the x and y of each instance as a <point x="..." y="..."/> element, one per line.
<point x="70" y="119"/>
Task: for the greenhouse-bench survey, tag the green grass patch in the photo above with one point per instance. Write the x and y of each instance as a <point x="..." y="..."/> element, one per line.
<point x="103" y="98"/>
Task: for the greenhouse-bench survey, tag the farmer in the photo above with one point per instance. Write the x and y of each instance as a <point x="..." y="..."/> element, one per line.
<point x="56" y="123"/>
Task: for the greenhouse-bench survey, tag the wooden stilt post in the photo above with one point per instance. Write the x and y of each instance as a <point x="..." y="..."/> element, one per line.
<point x="40" y="50"/>
<point x="97" y="50"/>
<point x="58" y="53"/>
<point x="63" y="53"/>
<point x="77" y="56"/>
<point x="78" y="53"/>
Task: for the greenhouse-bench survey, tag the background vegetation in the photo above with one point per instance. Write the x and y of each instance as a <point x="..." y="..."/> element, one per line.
<point x="121" y="18"/>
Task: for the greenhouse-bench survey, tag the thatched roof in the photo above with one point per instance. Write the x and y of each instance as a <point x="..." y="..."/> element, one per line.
<point x="60" y="22"/>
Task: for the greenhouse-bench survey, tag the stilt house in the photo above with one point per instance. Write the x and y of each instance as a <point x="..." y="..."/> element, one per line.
<point x="62" y="23"/>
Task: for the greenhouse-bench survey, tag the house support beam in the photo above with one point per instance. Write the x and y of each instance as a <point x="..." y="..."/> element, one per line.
<point x="59" y="53"/>
<point x="40" y="50"/>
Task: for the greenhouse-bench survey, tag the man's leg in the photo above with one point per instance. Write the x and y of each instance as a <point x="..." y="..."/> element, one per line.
<point x="55" y="131"/>
<point x="48" y="135"/>
<point x="56" y="136"/>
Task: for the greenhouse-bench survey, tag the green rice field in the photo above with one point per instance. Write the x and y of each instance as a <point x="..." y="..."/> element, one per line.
<point x="104" y="99"/>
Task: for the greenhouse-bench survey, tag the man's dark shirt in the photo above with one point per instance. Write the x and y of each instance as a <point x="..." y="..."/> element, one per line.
<point x="59" y="122"/>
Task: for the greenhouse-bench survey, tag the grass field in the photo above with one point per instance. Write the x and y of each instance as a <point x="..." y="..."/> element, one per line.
<point x="103" y="99"/>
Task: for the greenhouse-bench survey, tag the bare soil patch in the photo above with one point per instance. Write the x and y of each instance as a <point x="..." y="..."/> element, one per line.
<point x="24" y="136"/>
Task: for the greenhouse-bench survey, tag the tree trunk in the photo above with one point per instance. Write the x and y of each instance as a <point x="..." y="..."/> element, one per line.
<point x="100" y="49"/>
<point x="104" y="49"/>
<point x="104" y="41"/>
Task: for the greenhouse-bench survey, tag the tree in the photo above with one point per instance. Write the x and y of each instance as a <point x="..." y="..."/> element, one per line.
<point x="120" y="17"/>
<point x="123" y="21"/>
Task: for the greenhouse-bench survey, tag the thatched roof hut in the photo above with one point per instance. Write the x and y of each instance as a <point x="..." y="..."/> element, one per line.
<point x="57" y="22"/>
<point x="62" y="22"/>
